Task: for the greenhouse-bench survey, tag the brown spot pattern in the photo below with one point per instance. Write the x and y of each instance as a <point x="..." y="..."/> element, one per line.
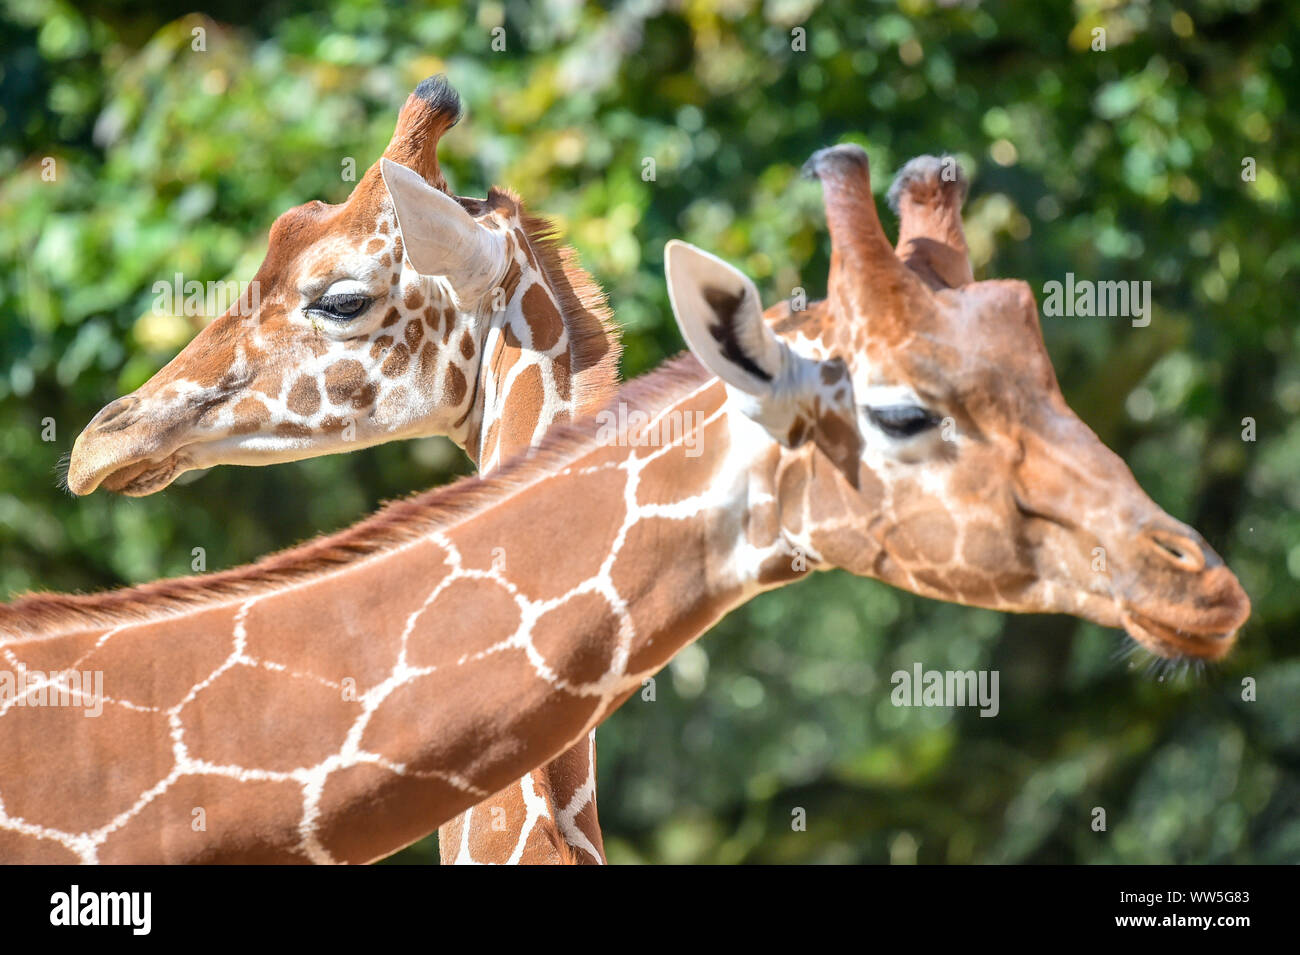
<point x="397" y="360"/>
<point x="304" y="396"/>
<point x="587" y="614"/>
<point x="343" y="379"/>
<point x="453" y="389"/>
<point x="365" y="396"/>
<point x="562" y="374"/>
<point x="250" y="415"/>
<point x="543" y="317"/>
<point x="428" y="363"/>
<point x="413" y="332"/>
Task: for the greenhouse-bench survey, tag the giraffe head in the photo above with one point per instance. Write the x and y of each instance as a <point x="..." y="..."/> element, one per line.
<point x="368" y="322"/>
<point x="924" y="439"/>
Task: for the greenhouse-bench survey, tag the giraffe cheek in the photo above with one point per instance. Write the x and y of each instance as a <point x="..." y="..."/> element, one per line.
<point x="395" y="406"/>
<point x="925" y="538"/>
<point x="268" y="381"/>
<point x="871" y="495"/>
<point x="983" y="545"/>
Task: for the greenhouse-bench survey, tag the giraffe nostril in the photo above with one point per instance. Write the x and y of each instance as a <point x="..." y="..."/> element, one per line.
<point x="1184" y="552"/>
<point x="115" y="415"/>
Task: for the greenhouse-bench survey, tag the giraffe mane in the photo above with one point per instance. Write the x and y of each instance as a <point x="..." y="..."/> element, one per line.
<point x="33" y="616"/>
<point x="594" y="342"/>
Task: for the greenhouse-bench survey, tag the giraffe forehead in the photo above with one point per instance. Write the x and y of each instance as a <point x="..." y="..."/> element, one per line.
<point x="936" y="368"/>
<point x="369" y="261"/>
<point x="875" y="393"/>
<point x="947" y="363"/>
<point x="989" y="336"/>
<point x="983" y="340"/>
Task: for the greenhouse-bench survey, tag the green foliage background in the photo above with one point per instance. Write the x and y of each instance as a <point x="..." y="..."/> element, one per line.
<point x="1122" y="164"/>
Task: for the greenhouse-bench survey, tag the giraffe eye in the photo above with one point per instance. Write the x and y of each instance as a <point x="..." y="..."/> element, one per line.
<point x="901" y="421"/>
<point x="341" y="307"/>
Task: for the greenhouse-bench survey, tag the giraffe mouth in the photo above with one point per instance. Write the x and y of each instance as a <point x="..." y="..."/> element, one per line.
<point x="1175" y="642"/>
<point x="141" y="478"/>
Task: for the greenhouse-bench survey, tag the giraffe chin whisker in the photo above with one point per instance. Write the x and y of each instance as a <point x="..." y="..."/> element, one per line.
<point x="1171" y="642"/>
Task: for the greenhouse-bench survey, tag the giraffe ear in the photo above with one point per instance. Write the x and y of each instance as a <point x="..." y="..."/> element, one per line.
<point x="718" y="310"/>
<point x="440" y="238"/>
<point x="795" y="398"/>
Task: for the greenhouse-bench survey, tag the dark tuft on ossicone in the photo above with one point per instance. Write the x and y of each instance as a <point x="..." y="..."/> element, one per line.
<point x="441" y="97"/>
<point x="834" y="158"/>
<point x="925" y="177"/>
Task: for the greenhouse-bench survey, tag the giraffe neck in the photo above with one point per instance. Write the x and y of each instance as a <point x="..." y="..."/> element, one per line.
<point x="526" y="383"/>
<point x="405" y="668"/>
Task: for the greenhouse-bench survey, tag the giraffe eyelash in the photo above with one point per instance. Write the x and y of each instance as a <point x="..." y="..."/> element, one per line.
<point x="342" y="307"/>
<point x="901" y="421"/>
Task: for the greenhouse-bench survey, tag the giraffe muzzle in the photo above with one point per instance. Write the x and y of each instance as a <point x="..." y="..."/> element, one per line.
<point x="1185" y="601"/>
<point x="121" y="452"/>
<point x="130" y="475"/>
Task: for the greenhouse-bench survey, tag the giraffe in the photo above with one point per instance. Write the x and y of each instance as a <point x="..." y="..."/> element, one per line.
<point x="414" y="672"/>
<point x="402" y="312"/>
